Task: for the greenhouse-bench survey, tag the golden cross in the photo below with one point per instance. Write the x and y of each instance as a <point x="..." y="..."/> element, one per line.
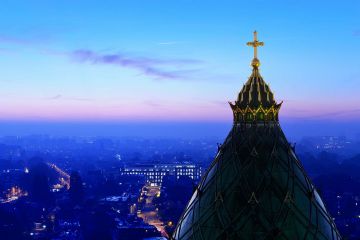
<point x="255" y="44"/>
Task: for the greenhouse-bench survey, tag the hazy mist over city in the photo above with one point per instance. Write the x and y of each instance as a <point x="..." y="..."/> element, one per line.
<point x="295" y="129"/>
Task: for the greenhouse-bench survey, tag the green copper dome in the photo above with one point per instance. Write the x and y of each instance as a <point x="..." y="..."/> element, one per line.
<point x="256" y="187"/>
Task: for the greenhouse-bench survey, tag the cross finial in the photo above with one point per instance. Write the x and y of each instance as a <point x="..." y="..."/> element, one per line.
<point x="255" y="62"/>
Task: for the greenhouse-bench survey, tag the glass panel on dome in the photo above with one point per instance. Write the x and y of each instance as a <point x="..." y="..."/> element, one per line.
<point x="210" y="174"/>
<point x="319" y="201"/>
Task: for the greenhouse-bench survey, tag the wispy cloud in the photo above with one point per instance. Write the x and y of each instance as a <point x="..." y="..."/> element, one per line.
<point x="80" y="99"/>
<point x="170" y="43"/>
<point x="337" y="113"/>
<point x="14" y="40"/>
<point x="184" y="69"/>
<point x="32" y="39"/>
<point x="219" y="103"/>
<point x="307" y="114"/>
<point x="59" y="96"/>
<point x="154" y="67"/>
<point x="153" y="103"/>
<point x="157" y="68"/>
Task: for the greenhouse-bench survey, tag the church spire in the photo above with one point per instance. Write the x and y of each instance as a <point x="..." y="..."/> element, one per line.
<point x="255" y="102"/>
<point x="255" y="63"/>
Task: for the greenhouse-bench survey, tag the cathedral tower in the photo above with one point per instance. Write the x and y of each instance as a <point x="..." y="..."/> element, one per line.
<point x="256" y="187"/>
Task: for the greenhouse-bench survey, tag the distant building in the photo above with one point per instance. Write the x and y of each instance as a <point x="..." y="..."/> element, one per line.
<point x="154" y="173"/>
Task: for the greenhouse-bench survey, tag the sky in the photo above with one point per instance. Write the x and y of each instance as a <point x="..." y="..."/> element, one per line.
<point x="152" y="61"/>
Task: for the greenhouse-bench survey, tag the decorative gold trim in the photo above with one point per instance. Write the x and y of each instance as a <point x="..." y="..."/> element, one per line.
<point x="242" y="114"/>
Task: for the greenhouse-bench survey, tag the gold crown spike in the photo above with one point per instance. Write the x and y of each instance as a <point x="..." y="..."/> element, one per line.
<point x="255" y="62"/>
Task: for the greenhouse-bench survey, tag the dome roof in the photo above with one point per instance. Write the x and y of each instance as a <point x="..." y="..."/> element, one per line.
<point x="256" y="187"/>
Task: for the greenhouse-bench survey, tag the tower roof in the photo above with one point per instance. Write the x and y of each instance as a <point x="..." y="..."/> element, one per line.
<point x="256" y="187"/>
<point x="255" y="102"/>
<point x="255" y="93"/>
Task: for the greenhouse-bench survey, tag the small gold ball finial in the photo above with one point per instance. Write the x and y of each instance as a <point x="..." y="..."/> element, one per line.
<point x="255" y="63"/>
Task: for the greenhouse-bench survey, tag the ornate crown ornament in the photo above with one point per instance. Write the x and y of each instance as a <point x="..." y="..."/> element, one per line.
<point x="255" y="102"/>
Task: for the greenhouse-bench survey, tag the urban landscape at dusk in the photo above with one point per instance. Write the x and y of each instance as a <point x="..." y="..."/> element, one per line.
<point x="115" y="184"/>
<point x="179" y="120"/>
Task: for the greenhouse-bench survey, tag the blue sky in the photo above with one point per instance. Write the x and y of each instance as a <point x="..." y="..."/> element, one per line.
<point x="175" y="61"/>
